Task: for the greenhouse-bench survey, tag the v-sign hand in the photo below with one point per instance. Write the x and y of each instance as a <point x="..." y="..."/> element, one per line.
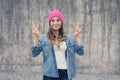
<point x="76" y="30"/>
<point x="35" y="33"/>
<point x="35" y="30"/>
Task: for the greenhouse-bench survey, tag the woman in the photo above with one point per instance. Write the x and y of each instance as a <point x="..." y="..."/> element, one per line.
<point x="58" y="49"/>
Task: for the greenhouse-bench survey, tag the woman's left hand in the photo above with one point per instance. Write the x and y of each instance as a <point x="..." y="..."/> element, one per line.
<point x="76" y="30"/>
<point x="76" y="33"/>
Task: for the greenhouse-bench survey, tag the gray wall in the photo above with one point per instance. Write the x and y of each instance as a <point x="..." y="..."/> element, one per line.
<point x="98" y="19"/>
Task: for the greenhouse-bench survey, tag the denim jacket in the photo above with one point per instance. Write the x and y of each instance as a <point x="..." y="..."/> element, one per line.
<point x="49" y="62"/>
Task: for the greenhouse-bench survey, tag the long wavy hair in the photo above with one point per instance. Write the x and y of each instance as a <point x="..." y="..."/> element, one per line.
<point x="52" y="37"/>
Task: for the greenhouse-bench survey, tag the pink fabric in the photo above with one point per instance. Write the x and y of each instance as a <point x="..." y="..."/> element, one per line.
<point x="55" y="13"/>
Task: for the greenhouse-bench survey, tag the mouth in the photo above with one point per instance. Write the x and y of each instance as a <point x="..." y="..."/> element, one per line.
<point x="56" y="26"/>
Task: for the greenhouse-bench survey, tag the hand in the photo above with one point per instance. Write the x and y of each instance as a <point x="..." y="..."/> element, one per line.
<point x="76" y="30"/>
<point x="35" y="30"/>
<point x="76" y="33"/>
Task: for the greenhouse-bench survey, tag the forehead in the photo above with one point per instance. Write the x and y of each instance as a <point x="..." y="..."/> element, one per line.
<point x="56" y="17"/>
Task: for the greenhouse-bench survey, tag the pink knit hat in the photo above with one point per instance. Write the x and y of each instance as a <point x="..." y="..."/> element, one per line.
<point x="55" y="13"/>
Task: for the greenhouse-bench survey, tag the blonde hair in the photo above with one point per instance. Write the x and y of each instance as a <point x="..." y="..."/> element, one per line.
<point x="52" y="37"/>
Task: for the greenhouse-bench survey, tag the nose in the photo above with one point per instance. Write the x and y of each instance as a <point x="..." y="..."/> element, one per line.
<point x="55" y="22"/>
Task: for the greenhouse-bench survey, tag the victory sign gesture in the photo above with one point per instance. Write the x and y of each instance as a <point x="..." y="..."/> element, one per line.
<point x="35" y="33"/>
<point x="77" y="33"/>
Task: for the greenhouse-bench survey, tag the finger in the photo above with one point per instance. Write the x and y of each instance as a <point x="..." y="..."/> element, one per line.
<point x="76" y="26"/>
<point x="37" y="25"/>
<point x="33" y="31"/>
<point x="33" y="26"/>
<point x="79" y="30"/>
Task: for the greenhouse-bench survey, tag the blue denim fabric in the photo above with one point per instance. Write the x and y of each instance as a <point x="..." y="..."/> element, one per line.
<point x="49" y="61"/>
<point x="62" y="76"/>
<point x="49" y="78"/>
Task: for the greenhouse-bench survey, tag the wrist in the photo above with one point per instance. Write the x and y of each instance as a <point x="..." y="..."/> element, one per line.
<point x="77" y="39"/>
<point x="35" y="41"/>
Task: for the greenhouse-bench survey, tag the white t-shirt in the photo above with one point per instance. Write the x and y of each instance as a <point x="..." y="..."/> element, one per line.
<point x="60" y="56"/>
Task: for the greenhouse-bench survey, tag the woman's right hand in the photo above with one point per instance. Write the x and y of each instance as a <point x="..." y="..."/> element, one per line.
<point x="35" y="33"/>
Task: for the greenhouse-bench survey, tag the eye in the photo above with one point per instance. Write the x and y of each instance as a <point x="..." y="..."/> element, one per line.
<point x="58" y="20"/>
<point x="52" y="20"/>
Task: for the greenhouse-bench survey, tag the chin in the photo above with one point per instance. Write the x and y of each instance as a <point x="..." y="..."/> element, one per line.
<point x="55" y="29"/>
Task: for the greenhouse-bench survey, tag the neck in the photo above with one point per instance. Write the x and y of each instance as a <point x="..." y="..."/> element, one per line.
<point x="56" y="33"/>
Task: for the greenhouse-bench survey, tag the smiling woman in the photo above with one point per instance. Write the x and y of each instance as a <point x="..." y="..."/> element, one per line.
<point x="55" y="26"/>
<point x="58" y="49"/>
<point x="55" y="23"/>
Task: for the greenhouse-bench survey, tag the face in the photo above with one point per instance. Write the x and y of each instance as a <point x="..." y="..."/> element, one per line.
<point x="55" y="23"/>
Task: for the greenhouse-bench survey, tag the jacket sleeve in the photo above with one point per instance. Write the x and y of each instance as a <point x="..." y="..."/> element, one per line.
<point x="79" y="49"/>
<point x="35" y="50"/>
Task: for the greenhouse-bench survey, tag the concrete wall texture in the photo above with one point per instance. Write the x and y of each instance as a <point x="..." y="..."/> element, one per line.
<point x="99" y="21"/>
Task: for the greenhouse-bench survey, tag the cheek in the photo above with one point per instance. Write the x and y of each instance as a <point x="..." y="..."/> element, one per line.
<point x="60" y="23"/>
<point x="50" y="24"/>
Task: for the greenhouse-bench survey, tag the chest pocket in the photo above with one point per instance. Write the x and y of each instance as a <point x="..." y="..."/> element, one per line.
<point x="71" y="47"/>
<point x="46" y="48"/>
